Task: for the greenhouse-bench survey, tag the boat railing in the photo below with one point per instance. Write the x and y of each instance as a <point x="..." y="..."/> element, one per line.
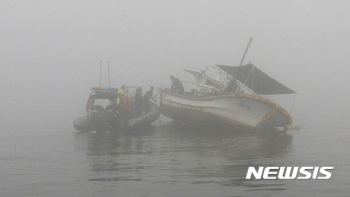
<point x="241" y="86"/>
<point x="228" y="77"/>
<point x="246" y="88"/>
<point x="202" y="86"/>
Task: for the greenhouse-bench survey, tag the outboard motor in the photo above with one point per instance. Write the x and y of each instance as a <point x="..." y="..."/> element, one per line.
<point x="98" y="117"/>
<point x="112" y="116"/>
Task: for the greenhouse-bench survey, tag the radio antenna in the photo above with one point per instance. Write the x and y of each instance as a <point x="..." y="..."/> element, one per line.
<point x="109" y="76"/>
<point x="100" y="71"/>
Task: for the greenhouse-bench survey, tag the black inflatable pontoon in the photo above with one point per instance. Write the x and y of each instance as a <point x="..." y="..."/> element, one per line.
<point x="113" y="117"/>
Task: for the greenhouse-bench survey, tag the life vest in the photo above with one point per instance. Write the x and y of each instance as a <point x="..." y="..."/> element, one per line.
<point x="121" y="94"/>
<point x="121" y="91"/>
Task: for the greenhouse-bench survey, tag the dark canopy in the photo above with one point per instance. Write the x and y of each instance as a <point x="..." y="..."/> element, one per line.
<point x="260" y="84"/>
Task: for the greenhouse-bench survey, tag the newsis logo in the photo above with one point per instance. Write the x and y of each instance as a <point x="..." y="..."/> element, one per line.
<point x="305" y="173"/>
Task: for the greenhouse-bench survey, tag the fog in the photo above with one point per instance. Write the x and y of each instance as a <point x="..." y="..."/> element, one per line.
<point x="51" y="51"/>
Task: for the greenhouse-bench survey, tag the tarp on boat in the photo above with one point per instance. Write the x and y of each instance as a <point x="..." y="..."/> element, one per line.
<point x="256" y="80"/>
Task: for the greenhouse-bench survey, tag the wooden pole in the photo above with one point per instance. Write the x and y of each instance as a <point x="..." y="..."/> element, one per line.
<point x="246" y="50"/>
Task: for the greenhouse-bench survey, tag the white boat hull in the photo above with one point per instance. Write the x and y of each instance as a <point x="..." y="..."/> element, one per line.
<point x="238" y="110"/>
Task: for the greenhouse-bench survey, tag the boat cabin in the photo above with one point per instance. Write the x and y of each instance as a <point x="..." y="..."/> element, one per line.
<point x="206" y="85"/>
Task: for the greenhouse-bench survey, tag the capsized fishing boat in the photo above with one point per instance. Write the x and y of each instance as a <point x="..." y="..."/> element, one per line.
<point x="114" y="116"/>
<point x="234" y="98"/>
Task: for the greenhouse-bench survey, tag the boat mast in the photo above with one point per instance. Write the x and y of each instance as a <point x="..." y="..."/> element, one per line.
<point x="246" y="50"/>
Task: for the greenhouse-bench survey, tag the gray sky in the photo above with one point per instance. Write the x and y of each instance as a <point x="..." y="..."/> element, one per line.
<point x="50" y="50"/>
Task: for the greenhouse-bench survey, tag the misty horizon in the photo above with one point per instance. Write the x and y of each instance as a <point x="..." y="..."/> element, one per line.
<point x="51" y="50"/>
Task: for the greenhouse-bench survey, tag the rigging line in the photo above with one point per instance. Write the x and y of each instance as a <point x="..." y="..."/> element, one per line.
<point x="248" y="75"/>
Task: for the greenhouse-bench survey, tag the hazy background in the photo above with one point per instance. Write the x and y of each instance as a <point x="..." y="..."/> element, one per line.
<point x="51" y="51"/>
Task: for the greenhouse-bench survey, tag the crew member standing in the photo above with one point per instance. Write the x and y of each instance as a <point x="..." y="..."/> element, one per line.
<point x="148" y="95"/>
<point x="120" y="97"/>
<point x="176" y="86"/>
<point x="138" y="102"/>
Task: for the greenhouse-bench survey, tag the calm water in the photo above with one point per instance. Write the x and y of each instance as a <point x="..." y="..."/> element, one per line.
<point x="164" y="161"/>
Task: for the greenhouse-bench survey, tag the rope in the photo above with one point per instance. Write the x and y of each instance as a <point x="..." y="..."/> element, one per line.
<point x="248" y="75"/>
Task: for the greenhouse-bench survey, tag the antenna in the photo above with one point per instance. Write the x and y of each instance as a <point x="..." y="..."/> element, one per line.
<point x="246" y="50"/>
<point x="109" y="76"/>
<point x="100" y="71"/>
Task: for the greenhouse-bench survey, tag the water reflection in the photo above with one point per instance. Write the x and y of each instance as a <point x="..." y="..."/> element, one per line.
<point x="168" y="155"/>
<point x="223" y="157"/>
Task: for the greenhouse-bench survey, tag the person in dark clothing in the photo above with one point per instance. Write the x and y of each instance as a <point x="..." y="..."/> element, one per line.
<point x="176" y="86"/>
<point x="146" y="99"/>
<point x="138" y="102"/>
<point x="231" y="87"/>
